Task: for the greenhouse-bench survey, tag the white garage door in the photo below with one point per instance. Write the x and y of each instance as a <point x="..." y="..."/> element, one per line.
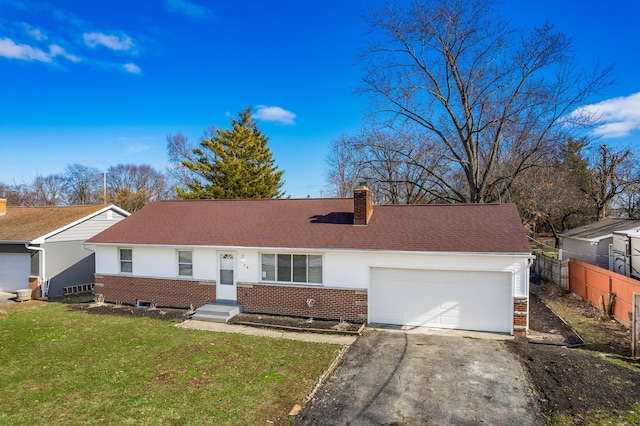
<point x="447" y="299"/>
<point x="14" y="272"/>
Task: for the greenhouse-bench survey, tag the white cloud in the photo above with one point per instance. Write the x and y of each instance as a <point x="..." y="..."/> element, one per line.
<point x="36" y="33"/>
<point x="132" y="68"/>
<point x="109" y="41"/>
<point x="274" y="113"/>
<point x="55" y="50"/>
<point x="614" y="118"/>
<point x="187" y="8"/>
<point x="9" y="49"/>
<point x="137" y="148"/>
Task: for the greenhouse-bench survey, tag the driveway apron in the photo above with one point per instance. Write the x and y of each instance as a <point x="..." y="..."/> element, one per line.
<point x="395" y="378"/>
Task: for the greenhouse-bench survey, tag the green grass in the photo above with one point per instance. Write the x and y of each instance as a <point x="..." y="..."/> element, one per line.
<point x="584" y="326"/>
<point x="598" y="418"/>
<point x="64" y="367"/>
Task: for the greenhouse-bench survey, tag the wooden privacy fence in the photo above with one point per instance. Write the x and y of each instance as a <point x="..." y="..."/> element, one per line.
<point x="553" y="270"/>
<point x="592" y="282"/>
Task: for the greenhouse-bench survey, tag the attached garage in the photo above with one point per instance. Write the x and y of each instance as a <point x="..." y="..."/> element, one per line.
<point x="14" y="271"/>
<point x="467" y="300"/>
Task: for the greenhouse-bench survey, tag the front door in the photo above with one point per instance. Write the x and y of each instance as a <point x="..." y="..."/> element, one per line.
<point x="226" y="286"/>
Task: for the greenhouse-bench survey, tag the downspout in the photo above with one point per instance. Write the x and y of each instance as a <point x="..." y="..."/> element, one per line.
<point x="44" y="285"/>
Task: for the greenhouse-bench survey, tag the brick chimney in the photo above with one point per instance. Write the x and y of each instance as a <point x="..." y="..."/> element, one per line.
<point x="362" y="205"/>
<point x="3" y="206"/>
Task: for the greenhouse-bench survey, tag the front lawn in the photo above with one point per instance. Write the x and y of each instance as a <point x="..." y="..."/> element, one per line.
<point x="64" y="367"/>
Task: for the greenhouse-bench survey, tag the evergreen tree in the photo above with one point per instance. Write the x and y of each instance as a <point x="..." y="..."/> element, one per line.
<point x="233" y="163"/>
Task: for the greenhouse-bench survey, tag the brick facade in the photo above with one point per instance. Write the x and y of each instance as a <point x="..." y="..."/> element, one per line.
<point x="329" y="303"/>
<point x="160" y="291"/>
<point x="349" y="305"/>
<point x="520" y="312"/>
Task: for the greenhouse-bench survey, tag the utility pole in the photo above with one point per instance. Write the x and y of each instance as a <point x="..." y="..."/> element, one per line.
<point x="104" y="186"/>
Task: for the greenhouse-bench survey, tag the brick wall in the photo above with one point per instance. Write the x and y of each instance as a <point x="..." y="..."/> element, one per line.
<point x="163" y="292"/>
<point x="520" y="310"/>
<point x="362" y="206"/>
<point x="349" y="305"/>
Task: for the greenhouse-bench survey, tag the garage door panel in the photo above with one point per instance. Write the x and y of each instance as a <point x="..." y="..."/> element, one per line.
<point x="447" y="299"/>
<point x="14" y="272"/>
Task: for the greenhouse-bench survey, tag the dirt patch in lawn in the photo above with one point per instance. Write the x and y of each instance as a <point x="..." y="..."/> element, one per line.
<point x="575" y="380"/>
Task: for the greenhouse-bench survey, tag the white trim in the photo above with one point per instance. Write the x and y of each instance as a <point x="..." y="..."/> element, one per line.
<point x="41" y="239"/>
<point x="303" y="250"/>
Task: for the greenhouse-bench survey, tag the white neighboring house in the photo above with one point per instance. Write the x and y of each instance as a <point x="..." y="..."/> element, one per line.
<point x="449" y="266"/>
<point x="593" y="243"/>
<point x="42" y="248"/>
<point x="626" y="253"/>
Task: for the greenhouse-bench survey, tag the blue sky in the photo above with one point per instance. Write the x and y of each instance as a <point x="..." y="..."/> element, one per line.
<point x="104" y="82"/>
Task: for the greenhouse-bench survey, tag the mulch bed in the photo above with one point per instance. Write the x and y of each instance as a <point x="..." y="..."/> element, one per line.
<point x="264" y="320"/>
<point x="258" y="320"/>
<point x="164" y="314"/>
<point x="575" y="381"/>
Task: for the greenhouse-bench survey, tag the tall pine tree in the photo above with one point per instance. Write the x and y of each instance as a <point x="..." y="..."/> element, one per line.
<point x="233" y="163"/>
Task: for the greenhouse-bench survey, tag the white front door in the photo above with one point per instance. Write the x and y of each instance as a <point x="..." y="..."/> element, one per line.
<point x="226" y="286"/>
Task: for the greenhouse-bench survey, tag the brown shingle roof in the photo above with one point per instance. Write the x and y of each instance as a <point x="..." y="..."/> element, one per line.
<point x="29" y="223"/>
<point x="602" y="228"/>
<point x="322" y="224"/>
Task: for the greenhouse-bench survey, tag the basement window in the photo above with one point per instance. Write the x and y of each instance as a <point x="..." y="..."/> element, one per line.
<point x="143" y="304"/>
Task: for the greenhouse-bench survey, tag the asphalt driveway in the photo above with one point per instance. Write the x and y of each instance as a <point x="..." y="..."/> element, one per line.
<point x="397" y="378"/>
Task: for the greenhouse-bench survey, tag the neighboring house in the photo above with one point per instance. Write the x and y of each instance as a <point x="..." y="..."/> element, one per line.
<point x="45" y="245"/>
<point x="450" y="266"/>
<point x="626" y="253"/>
<point x="593" y="243"/>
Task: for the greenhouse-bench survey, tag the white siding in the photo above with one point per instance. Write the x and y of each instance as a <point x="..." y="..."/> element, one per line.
<point x="87" y="229"/>
<point x="107" y="260"/>
<point x="341" y="269"/>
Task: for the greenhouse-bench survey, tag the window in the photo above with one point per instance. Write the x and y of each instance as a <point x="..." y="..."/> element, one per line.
<point x="185" y="263"/>
<point x="126" y="261"/>
<point x="297" y="268"/>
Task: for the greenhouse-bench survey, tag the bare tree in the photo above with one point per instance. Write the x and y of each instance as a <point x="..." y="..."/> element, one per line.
<point x="609" y="178"/>
<point x="49" y="190"/>
<point x="343" y="169"/>
<point x="133" y="186"/>
<point x="82" y="184"/>
<point x="493" y="100"/>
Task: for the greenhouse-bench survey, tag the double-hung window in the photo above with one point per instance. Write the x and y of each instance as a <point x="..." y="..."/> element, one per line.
<point x="294" y="268"/>
<point x="185" y="263"/>
<point x="126" y="260"/>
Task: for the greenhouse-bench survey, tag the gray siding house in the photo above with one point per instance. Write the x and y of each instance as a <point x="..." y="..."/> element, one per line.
<point x="593" y="243"/>
<point x="42" y="248"/>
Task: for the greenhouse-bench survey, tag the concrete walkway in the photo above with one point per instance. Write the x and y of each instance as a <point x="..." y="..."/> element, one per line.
<point x="332" y="339"/>
<point x="7" y="297"/>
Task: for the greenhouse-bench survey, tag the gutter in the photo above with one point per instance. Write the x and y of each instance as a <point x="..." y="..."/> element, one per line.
<point x="44" y="283"/>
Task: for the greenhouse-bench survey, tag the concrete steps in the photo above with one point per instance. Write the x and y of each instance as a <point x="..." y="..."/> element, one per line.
<point x="221" y="311"/>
